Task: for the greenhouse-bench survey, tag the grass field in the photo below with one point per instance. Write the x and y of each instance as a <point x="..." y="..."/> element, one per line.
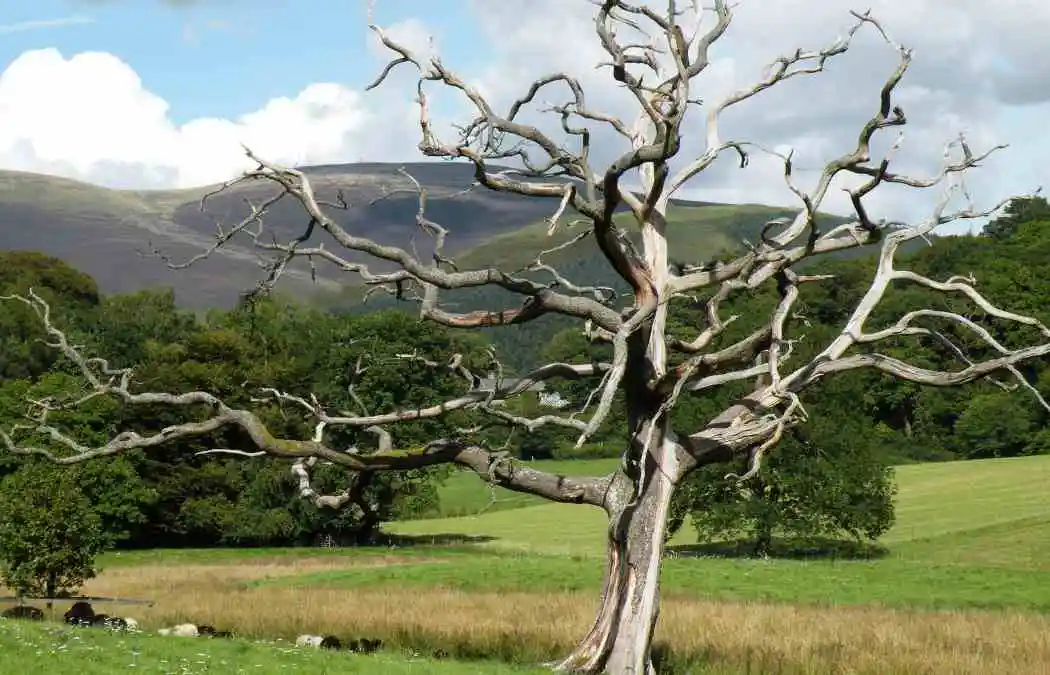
<point x="41" y="649"/>
<point x="964" y="587"/>
<point x="935" y="500"/>
<point x="464" y="495"/>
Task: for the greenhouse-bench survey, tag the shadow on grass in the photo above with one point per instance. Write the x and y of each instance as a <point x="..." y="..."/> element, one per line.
<point x="809" y="548"/>
<point x="407" y="540"/>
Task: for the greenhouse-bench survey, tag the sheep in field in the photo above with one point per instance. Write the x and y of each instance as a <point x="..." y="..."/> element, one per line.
<point x="309" y="641"/>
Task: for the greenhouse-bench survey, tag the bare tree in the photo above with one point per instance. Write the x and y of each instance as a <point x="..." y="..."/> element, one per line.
<point x="658" y="64"/>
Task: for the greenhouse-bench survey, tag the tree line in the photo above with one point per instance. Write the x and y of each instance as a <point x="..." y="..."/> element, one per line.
<point x="833" y="476"/>
<point x="172" y="496"/>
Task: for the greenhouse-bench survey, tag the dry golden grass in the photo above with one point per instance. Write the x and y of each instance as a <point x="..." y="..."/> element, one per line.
<point x="732" y="637"/>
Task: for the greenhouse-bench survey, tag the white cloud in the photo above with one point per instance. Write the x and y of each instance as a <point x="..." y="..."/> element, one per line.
<point x="965" y="74"/>
<point x="91" y="117"/>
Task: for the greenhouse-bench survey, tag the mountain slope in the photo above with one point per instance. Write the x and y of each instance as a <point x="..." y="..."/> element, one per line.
<point x="696" y="232"/>
<point x="101" y="231"/>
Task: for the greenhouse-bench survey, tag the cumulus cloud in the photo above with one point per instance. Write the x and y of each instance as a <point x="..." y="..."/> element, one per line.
<point x="966" y="73"/>
<point x="90" y="116"/>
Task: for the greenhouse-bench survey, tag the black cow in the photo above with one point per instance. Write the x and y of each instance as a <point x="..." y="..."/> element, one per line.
<point x="80" y="614"/>
<point x="23" y="612"/>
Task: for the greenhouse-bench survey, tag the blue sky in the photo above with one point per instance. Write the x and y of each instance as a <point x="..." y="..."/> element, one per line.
<point x="226" y="57"/>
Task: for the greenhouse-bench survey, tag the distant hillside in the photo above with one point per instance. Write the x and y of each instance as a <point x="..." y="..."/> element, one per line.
<point x="697" y="232"/>
<point x="99" y="230"/>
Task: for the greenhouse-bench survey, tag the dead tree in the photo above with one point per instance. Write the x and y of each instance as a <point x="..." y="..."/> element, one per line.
<point x="658" y="67"/>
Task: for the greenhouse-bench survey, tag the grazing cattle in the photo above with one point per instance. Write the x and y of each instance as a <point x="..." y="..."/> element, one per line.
<point x="99" y="619"/>
<point x="222" y="634"/>
<point x="23" y="612"/>
<point x="440" y="654"/>
<point x="331" y="642"/>
<point x="205" y="629"/>
<point x="131" y="625"/>
<point x="80" y="614"/>
<point x="308" y="641"/>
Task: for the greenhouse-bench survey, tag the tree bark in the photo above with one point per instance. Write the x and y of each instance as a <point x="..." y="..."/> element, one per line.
<point x="639" y="500"/>
<point x="620" y="639"/>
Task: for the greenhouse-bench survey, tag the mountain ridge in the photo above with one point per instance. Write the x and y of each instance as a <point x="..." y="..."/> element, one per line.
<point x="104" y="232"/>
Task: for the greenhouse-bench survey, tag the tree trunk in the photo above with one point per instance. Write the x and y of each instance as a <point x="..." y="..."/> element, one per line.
<point x="51" y="585"/>
<point x="639" y="502"/>
<point x="368" y="531"/>
<point x="766" y="495"/>
<point x="619" y="641"/>
<point x="763" y="540"/>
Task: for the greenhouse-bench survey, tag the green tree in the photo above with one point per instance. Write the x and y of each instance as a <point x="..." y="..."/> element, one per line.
<point x="116" y="492"/>
<point x="827" y="479"/>
<point x="995" y="424"/>
<point x="23" y="352"/>
<point x="1019" y="210"/>
<point x="210" y="501"/>
<point x="49" y="534"/>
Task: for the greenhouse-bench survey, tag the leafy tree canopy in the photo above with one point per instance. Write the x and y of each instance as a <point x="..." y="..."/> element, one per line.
<point x="49" y="534"/>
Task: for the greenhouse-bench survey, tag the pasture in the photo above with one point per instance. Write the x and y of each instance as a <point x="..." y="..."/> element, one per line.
<point x="35" y="649"/>
<point x="963" y="587"/>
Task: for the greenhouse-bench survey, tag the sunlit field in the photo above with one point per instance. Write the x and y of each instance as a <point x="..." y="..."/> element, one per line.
<point x="34" y="649"/>
<point x="963" y="587"/>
